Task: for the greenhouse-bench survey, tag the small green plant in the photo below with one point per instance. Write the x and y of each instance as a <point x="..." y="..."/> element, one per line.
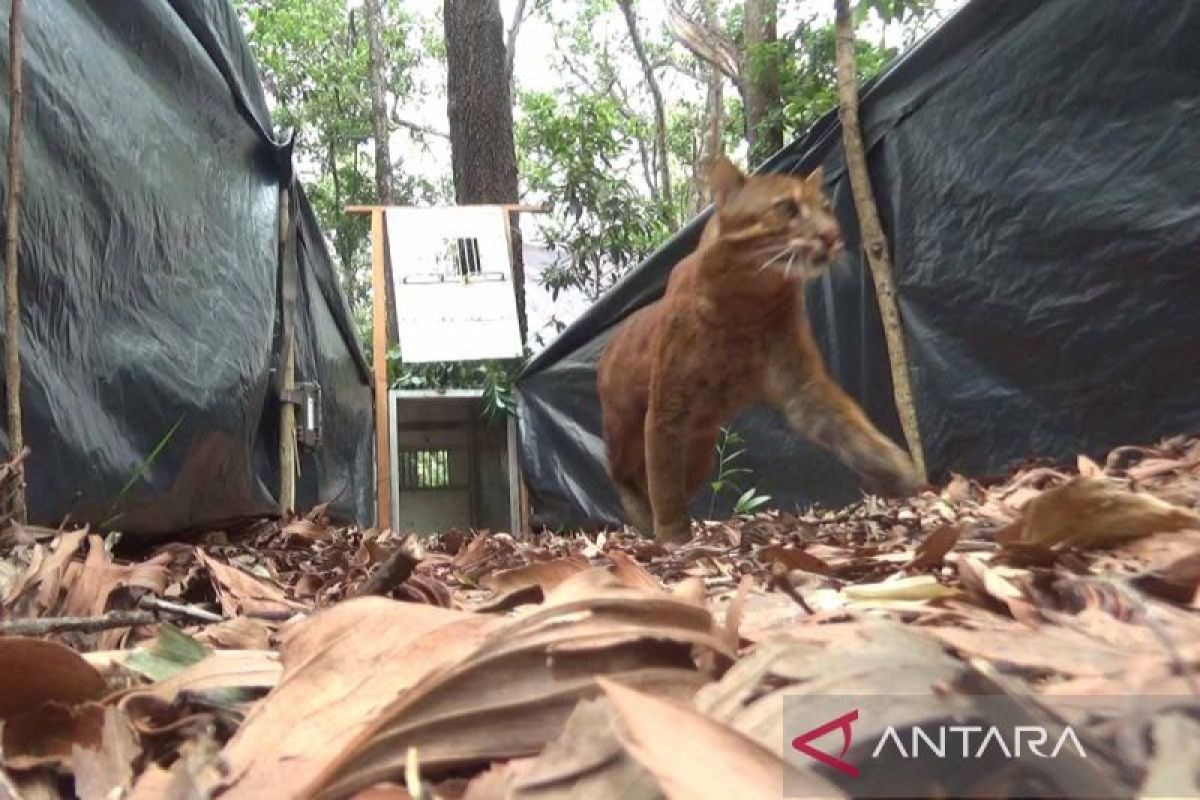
<point x="729" y="450"/>
<point x="138" y="473"/>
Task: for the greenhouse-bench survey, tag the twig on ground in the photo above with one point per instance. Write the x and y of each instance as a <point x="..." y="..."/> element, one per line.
<point x="191" y="612"/>
<point x="47" y="625"/>
<point x="153" y="610"/>
<point x="779" y="580"/>
<point x="393" y="571"/>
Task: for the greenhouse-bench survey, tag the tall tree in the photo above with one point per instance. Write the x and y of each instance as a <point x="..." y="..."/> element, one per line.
<point x="384" y="188"/>
<point x="874" y="240"/>
<point x="764" y="128"/>
<point x="479" y="103"/>
<point x="661" y="153"/>
<point x="379" y="111"/>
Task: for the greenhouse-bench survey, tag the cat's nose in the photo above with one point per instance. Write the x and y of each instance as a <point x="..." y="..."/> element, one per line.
<point x="829" y="238"/>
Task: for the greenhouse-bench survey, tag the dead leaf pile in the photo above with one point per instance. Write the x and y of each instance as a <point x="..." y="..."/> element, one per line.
<point x="297" y="659"/>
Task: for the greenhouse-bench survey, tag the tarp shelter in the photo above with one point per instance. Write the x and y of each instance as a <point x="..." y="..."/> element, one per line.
<point x="1037" y="169"/>
<point x="152" y="288"/>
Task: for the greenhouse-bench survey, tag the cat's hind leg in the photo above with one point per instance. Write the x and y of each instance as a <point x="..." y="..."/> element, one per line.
<point x="637" y="509"/>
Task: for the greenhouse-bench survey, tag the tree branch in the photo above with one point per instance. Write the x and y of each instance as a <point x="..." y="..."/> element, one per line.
<point x="12" y="302"/>
<point x="874" y="242"/>
<point x="417" y="127"/>
<point x="662" y="153"/>
<point x="706" y="42"/>
<point x="510" y="40"/>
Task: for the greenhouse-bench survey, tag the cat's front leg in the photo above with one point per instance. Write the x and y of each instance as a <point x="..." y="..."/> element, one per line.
<point x="666" y="467"/>
<point x="818" y="409"/>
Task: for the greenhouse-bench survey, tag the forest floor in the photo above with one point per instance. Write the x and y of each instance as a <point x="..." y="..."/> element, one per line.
<point x="299" y="659"/>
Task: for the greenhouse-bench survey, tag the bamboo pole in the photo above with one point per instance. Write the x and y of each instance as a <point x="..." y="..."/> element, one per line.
<point x="12" y="301"/>
<point x="383" y="472"/>
<point x="874" y="241"/>
<point x="287" y="409"/>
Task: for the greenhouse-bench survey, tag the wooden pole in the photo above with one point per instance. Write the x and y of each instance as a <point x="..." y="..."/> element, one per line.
<point x="383" y="500"/>
<point x="287" y="409"/>
<point x="12" y="301"/>
<point x="874" y="241"/>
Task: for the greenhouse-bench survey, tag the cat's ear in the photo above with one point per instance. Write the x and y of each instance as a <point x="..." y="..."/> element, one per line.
<point x="724" y="180"/>
<point x="814" y="184"/>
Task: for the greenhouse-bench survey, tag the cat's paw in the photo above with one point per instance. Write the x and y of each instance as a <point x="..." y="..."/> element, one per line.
<point x="893" y="475"/>
<point x="678" y="532"/>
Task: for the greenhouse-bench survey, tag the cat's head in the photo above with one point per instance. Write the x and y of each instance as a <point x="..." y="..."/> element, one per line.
<point x="779" y="222"/>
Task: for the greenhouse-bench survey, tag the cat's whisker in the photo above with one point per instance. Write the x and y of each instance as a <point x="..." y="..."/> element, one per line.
<point x="783" y="252"/>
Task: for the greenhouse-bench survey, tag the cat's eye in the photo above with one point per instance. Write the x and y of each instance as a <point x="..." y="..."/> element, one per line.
<point x="787" y="208"/>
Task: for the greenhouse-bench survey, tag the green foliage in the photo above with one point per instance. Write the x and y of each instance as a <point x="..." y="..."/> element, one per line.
<point x="575" y="150"/>
<point x="313" y="58"/>
<point x="729" y="450"/>
<point x="495" y="378"/>
<point x="808" y="74"/>
<point x="893" y="10"/>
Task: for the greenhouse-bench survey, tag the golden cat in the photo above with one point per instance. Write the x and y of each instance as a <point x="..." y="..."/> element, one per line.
<point x="731" y="331"/>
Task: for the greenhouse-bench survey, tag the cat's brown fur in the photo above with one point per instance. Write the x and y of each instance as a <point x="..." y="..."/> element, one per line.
<point x="731" y="331"/>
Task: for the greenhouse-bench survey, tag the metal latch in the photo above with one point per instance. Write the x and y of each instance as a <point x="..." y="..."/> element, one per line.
<point x="309" y="418"/>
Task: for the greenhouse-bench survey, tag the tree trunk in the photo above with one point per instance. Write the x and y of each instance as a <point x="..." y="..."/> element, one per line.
<point x="12" y="300"/>
<point x="384" y="189"/>
<point x="660" y="114"/>
<point x="760" y="78"/>
<point x="480" y="110"/>
<point x="714" y="117"/>
<point x="874" y="242"/>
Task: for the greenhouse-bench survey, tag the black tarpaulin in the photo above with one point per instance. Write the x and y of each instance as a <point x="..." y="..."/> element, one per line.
<point x="1037" y="170"/>
<point x="151" y="281"/>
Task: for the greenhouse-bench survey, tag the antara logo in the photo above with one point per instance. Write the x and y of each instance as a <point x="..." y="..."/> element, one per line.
<point x="1034" y="737"/>
<point x="937" y="741"/>
<point x="801" y="743"/>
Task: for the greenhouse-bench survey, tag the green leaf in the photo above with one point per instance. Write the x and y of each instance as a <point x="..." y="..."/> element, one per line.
<point x="171" y="652"/>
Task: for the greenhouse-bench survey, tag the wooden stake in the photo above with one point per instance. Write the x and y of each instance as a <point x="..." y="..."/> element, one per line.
<point x="12" y="302"/>
<point x="287" y="409"/>
<point x="383" y="500"/>
<point x="873" y="239"/>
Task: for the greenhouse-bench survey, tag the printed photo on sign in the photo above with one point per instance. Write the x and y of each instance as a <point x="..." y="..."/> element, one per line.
<point x="452" y="277"/>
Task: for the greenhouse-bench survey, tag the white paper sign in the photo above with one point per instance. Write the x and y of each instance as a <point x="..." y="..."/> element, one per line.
<point x="452" y="273"/>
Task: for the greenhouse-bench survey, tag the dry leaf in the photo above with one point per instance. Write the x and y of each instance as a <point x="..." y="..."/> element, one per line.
<point x="38" y="589"/>
<point x="340" y="668"/>
<point x="91" y="583"/>
<point x="546" y="575"/>
<point x="934" y="547"/>
<point x="711" y="760"/>
<point x="1088" y="512"/>
<point x="514" y="693"/>
<point x="1173" y="772"/>
<point x="1088" y="468"/>
<point x="630" y="573"/>
<point x="49" y="734"/>
<point x="1172" y="561"/>
<point x="792" y="558"/>
<point x="34" y="671"/>
<point x="587" y="762"/>
<point x="107" y="771"/>
<point x="915" y="587"/>
<point x="221" y="669"/>
<point x="307" y="531"/>
<point x="240" y="633"/>
<point x="242" y="593"/>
